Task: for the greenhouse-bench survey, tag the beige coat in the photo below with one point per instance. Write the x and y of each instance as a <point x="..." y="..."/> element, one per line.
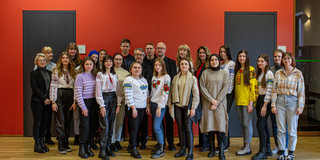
<point x="191" y="85"/>
<point x="214" y="85"/>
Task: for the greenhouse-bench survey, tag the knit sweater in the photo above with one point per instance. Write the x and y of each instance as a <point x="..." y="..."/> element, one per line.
<point x="85" y="88"/>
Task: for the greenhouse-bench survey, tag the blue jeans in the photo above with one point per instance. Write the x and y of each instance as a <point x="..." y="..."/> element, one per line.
<point x="157" y="123"/>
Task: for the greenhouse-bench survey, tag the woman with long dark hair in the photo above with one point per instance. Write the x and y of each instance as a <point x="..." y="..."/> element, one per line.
<point x="246" y="92"/>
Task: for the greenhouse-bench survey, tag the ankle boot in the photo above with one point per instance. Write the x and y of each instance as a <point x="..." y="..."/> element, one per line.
<point x="159" y="152"/>
<point x="268" y="150"/>
<point x="102" y="153"/>
<point x="61" y="148"/>
<point x="212" y="148"/>
<point x="89" y="152"/>
<point x="221" y="146"/>
<point x="245" y="150"/>
<point x="134" y="152"/>
<point x="190" y="154"/>
<point x="37" y="146"/>
<point x="76" y="140"/>
<point x="181" y="153"/>
<point x="43" y="146"/>
<point x="157" y="147"/>
<point x="260" y="155"/>
<point x="66" y="145"/>
<point x="109" y="152"/>
<point x="82" y="151"/>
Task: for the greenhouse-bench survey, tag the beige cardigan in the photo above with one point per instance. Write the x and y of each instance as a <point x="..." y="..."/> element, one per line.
<point x="191" y="85"/>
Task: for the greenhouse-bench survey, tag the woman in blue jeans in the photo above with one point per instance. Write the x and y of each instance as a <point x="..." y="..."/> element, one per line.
<point x="287" y="103"/>
<point x="159" y="97"/>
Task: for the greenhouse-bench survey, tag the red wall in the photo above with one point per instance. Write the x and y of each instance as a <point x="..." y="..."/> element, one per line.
<point x="103" y="23"/>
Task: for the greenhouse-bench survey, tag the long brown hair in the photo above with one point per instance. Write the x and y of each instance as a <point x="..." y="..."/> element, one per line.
<point x="246" y="71"/>
<point x="266" y="69"/>
<point x="163" y="65"/>
<point x="71" y="66"/>
<point x="190" y="70"/>
<point x="77" y="58"/>
<point x="94" y="69"/>
<point x="198" y="61"/>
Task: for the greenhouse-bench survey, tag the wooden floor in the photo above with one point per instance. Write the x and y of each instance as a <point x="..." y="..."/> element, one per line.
<point x="308" y="148"/>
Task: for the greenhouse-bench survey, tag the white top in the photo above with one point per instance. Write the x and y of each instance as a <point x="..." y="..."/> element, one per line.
<point x="65" y="81"/>
<point x="229" y="67"/>
<point x="105" y="83"/>
<point x="136" y="92"/>
<point x="269" y="84"/>
<point x="160" y="90"/>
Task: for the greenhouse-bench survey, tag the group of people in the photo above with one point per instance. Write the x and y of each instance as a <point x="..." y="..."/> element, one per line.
<point x="98" y="91"/>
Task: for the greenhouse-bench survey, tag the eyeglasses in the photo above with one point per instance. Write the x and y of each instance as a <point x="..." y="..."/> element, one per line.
<point x="160" y="48"/>
<point x="139" y="54"/>
<point x="43" y="60"/>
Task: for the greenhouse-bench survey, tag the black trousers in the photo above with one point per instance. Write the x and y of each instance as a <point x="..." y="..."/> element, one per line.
<point x="39" y="119"/>
<point x="184" y="126"/>
<point x="88" y="124"/>
<point x="143" y="138"/>
<point x="63" y="116"/>
<point x="262" y="123"/>
<point x="220" y="136"/>
<point x="48" y="113"/>
<point x="230" y="98"/>
<point x="134" y="124"/>
<point x="106" y="122"/>
<point x="168" y="127"/>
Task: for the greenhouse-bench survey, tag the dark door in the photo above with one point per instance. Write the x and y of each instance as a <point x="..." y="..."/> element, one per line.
<point x="255" y="32"/>
<point x="43" y="28"/>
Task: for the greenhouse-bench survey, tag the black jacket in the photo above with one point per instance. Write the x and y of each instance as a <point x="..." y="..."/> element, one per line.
<point x="170" y="66"/>
<point x="38" y="86"/>
<point x="150" y="62"/>
<point x="128" y="61"/>
<point x="147" y="73"/>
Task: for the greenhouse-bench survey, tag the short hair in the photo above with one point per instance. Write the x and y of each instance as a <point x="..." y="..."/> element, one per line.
<point x="38" y="56"/>
<point x="188" y="56"/>
<point x="149" y="43"/>
<point x="228" y="52"/>
<point x="138" y="49"/>
<point x="125" y="40"/>
<point x="291" y="55"/>
<point x="163" y="65"/>
<point x="46" y="49"/>
<point x="278" y="50"/>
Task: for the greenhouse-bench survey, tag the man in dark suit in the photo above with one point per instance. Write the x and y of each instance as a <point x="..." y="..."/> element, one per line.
<point x="172" y="71"/>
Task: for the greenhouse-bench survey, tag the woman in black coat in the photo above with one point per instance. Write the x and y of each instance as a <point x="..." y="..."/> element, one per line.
<point x="40" y="83"/>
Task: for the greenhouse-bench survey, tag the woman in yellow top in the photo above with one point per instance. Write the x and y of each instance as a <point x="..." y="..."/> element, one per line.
<point x="246" y="92"/>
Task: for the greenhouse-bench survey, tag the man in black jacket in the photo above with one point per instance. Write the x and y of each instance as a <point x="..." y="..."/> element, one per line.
<point x="127" y="57"/>
<point x="172" y="71"/>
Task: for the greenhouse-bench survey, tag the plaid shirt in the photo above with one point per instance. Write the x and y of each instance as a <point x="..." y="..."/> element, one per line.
<point x="292" y="84"/>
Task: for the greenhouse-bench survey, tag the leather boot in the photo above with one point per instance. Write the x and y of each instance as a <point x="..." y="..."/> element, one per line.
<point x="260" y="155"/>
<point x="268" y="150"/>
<point x="157" y="147"/>
<point x="82" y="151"/>
<point x="66" y="145"/>
<point x="190" y="153"/>
<point x="76" y="140"/>
<point x="61" y="148"/>
<point x="134" y="152"/>
<point x="212" y="148"/>
<point x="37" y="146"/>
<point x="181" y="153"/>
<point x="109" y="152"/>
<point x="89" y="152"/>
<point x="102" y="153"/>
<point x="245" y="150"/>
<point x="43" y="146"/>
<point x="221" y="146"/>
<point x="159" y="152"/>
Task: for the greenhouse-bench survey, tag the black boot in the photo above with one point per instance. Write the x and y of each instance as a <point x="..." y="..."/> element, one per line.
<point x="43" y="146"/>
<point x="89" y="152"/>
<point x="113" y="147"/>
<point x="82" y="151"/>
<point x="157" y="147"/>
<point x="221" y="146"/>
<point x="212" y="147"/>
<point x="268" y="150"/>
<point x="181" y="153"/>
<point x="76" y="140"/>
<point x="94" y="146"/>
<point x="119" y="147"/>
<point x="49" y="141"/>
<point x="134" y="152"/>
<point x="109" y="152"/>
<point x="66" y="145"/>
<point x="190" y="153"/>
<point x="61" y="148"/>
<point x="260" y="155"/>
<point x="102" y="153"/>
<point x="158" y="153"/>
<point x="37" y="146"/>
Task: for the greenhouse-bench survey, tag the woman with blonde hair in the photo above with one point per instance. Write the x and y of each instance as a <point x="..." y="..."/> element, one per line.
<point x="184" y="52"/>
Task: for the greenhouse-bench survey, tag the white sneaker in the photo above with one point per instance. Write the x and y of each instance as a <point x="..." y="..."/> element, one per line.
<point x="275" y="150"/>
<point x="286" y="152"/>
<point x="290" y="157"/>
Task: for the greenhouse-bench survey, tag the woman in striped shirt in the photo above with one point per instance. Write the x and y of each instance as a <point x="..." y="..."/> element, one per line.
<point x="84" y="91"/>
<point x="61" y="95"/>
<point x="265" y="82"/>
<point x="288" y="98"/>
